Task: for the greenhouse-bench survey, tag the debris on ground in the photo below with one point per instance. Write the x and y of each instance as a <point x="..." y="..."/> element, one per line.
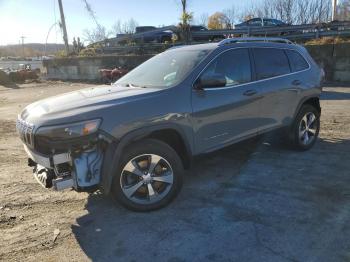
<point x="56" y="232"/>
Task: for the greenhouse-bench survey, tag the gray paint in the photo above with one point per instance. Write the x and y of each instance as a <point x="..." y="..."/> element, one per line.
<point x="206" y="119"/>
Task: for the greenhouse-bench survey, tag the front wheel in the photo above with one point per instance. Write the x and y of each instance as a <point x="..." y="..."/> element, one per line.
<point x="305" y="128"/>
<point x="149" y="176"/>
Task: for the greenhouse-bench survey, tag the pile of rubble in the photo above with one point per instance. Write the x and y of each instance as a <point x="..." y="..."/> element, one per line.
<point x="9" y="77"/>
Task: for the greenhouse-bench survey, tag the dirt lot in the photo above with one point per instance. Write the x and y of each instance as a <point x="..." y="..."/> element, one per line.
<point x="255" y="201"/>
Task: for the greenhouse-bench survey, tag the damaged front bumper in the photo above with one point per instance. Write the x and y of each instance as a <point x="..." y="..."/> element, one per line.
<point x="80" y="171"/>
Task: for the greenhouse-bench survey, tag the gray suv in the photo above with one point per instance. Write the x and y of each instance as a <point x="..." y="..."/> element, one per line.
<point x="134" y="139"/>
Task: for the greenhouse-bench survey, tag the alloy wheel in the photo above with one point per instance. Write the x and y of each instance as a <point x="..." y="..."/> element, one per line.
<point x="146" y="179"/>
<point x="308" y="128"/>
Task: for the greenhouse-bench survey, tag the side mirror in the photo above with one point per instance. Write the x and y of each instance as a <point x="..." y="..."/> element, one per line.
<point x="212" y="81"/>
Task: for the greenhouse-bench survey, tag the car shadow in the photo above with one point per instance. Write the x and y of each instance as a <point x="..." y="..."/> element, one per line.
<point x="102" y="233"/>
<point x="214" y="218"/>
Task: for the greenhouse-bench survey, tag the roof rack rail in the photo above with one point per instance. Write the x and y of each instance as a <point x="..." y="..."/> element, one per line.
<point x="254" y="39"/>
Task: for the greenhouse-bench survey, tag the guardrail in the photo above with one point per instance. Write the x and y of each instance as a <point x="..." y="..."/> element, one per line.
<point x="138" y="35"/>
<point x="291" y="32"/>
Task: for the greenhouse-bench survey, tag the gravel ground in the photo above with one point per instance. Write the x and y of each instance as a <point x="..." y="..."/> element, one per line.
<point x="254" y="201"/>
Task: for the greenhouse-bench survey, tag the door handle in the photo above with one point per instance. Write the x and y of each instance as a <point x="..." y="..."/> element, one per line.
<point x="296" y="83"/>
<point x="250" y="92"/>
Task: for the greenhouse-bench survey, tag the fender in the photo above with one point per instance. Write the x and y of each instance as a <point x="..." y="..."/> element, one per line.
<point x="115" y="150"/>
<point x="302" y="101"/>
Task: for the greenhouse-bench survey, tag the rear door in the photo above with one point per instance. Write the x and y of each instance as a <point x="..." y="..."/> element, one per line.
<point x="278" y="86"/>
<point x="226" y="113"/>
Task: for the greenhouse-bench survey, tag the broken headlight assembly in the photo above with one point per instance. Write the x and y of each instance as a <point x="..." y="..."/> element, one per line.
<point x="69" y="131"/>
<point x="81" y="167"/>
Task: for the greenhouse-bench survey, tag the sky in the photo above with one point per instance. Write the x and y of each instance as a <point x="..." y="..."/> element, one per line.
<point x="33" y="18"/>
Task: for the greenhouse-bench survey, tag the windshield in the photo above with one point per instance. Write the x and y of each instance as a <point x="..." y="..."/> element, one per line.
<point x="164" y="70"/>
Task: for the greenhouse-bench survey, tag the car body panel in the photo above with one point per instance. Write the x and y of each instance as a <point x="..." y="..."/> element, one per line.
<point x="213" y="117"/>
<point x="205" y="119"/>
<point x="223" y="115"/>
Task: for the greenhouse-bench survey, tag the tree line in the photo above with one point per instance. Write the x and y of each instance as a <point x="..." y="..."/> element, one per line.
<point x="288" y="11"/>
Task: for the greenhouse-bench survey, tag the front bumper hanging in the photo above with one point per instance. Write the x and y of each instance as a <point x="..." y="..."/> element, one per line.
<point x="61" y="171"/>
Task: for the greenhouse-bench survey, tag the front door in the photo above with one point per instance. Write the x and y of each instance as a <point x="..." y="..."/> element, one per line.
<point x="222" y="114"/>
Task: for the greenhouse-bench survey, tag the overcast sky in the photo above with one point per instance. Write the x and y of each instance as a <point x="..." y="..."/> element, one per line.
<point x="33" y="18"/>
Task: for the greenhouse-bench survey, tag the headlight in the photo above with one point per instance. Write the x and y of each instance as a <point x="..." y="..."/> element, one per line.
<point x="69" y="131"/>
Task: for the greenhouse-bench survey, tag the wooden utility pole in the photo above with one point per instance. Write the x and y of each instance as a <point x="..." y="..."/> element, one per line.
<point x="334" y="10"/>
<point x="64" y="29"/>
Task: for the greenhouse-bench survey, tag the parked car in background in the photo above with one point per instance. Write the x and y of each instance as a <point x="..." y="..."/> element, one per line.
<point x="335" y="25"/>
<point x="134" y="139"/>
<point x="150" y="36"/>
<point x="259" y="22"/>
<point x="204" y="38"/>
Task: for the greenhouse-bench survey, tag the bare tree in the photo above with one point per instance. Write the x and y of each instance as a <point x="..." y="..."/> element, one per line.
<point x="268" y="9"/>
<point x="203" y="19"/>
<point x="292" y="11"/>
<point x="96" y="34"/>
<point x="128" y="27"/>
<point x="230" y="13"/>
<point x="302" y="15"/>
<point x="117" y="28"/>
<point x="99" y="33"/>
<point x="323" y="11"/>
<point x="343" y="12"/>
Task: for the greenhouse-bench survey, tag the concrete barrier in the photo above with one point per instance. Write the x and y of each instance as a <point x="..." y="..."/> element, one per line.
<point x="87" y="68"/>
<point x="335" y="59"/>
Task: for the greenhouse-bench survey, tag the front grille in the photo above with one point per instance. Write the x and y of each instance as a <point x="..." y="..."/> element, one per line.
<point x="25" y="131"/>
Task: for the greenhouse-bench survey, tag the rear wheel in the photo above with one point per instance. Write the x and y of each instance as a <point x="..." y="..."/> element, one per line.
<point x="305" y="128"/>
<point x="149" y="176"/>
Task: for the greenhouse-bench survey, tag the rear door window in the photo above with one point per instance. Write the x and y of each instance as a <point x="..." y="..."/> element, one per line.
<point x="297" y="61"/>
<point x="270" y="62"/>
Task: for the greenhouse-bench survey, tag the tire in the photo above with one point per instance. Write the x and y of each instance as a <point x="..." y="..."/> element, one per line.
<point x="142" y="189"/>
<point x="304" y="131"/>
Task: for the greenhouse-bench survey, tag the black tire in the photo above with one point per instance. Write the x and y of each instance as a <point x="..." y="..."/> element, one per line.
<point x="297" y="141"/>
<point x="144" y="148"/>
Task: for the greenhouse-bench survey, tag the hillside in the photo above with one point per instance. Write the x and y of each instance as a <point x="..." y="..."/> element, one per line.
<point x="30" y="49"/>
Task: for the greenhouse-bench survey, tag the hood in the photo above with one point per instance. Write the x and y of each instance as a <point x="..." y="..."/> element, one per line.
<point x="88" y="100"/>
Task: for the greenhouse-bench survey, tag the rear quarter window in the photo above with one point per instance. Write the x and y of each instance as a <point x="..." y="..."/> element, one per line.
<point x="297" y="61"/>
<point x="270" y="62"/>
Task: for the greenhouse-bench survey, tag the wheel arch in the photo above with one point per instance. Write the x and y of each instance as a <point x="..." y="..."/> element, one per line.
<point x="310" y="100"/>
<point x="168" y="133"/>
